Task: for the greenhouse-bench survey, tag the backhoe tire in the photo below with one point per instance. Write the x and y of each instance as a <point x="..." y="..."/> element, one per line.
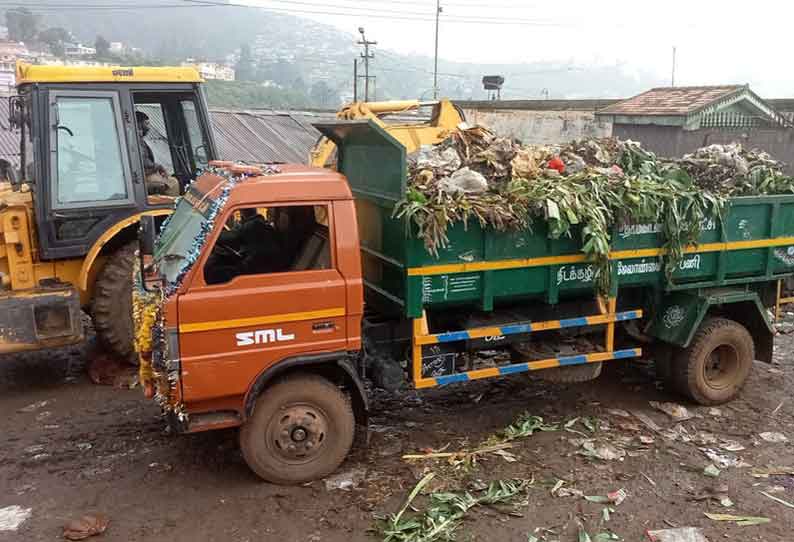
<point x="715" y="366"/>
<point x="111" y="308"/>
<point x="302" y="428"/>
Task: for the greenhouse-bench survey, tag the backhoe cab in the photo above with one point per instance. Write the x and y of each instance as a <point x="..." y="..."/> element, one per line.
<point x="100" y="147"/>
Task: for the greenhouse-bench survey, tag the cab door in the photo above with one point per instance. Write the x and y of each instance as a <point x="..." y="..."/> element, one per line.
<point x="244" y="312"/>
<point x="86" y="183"/>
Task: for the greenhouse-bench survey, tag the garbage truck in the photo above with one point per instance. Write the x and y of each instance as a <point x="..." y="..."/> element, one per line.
<point x="273" y="292"/>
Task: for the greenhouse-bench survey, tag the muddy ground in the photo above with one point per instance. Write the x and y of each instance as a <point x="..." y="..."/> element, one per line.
<point x="69" y="447"/>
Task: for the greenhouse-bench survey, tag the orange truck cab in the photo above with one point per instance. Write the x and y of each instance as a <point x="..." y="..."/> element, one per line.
<point x="276" y="294"/>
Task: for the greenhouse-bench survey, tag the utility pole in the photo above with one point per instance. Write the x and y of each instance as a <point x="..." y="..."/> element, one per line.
<point x="439" y="9"/>
<point x="366" y="55"/>
<point x="355" y="80"/>
<point x="673" y="77"/>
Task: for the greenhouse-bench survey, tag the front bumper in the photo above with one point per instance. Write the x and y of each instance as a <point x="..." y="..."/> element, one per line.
<point x="41" y="318"/>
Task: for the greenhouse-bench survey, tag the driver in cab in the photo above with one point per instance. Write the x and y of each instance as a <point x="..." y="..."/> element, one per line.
<point x="158" y="182"/>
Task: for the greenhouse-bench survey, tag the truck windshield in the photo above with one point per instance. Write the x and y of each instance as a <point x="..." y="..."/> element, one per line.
<point x="182" y="232"/>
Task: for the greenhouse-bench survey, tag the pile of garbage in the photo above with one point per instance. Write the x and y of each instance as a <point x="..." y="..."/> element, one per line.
<point x="591" y="185"/>
<point x="732" y="170"/>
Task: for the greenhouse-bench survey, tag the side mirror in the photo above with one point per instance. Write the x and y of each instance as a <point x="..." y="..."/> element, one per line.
<point x="201" y="156"/>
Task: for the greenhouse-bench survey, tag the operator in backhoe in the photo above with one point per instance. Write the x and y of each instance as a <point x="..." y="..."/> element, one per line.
<point x="158" y="181"/>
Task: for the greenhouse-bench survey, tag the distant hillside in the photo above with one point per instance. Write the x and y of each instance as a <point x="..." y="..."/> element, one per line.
<point x="311" y="63"/>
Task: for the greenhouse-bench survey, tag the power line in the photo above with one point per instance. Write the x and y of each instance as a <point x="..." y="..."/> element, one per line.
<point x="76" y="7"/>
<point x="321" y="9"/>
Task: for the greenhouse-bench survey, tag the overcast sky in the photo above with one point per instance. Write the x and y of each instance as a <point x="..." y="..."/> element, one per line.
<point x="716" y="41"/>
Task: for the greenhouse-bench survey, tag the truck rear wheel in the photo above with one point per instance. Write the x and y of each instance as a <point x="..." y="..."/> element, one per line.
<point x="302" y="428"/>
<point x="111" y="308"/>
<point x="715" y="366"/>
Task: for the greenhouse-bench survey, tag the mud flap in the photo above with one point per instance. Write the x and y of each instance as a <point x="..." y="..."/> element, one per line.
<point x="35" y="319"/>
<point x="680" y="315"/>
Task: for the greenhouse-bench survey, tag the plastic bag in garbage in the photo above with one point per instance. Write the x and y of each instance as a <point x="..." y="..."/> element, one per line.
<point x="433" y="157"/>
<point x="464" y="181"/>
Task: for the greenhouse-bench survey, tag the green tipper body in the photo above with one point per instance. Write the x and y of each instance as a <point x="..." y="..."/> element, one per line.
<point x="738" y="255"/>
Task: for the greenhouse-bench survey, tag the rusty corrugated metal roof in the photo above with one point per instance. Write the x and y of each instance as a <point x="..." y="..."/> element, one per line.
<point x="673" y="101"/>
<point x="265" y="136"/>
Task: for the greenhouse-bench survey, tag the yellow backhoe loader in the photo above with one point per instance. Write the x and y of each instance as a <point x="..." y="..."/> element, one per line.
<point x="444" y="118"/>
<point x="99" y="147"/>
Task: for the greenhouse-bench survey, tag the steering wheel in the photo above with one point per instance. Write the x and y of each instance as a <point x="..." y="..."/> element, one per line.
<point x="226" y="250"/>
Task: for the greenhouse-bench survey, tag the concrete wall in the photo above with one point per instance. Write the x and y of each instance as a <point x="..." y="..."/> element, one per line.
<point x="671" y="141"/>
<point x="540" y="127"/>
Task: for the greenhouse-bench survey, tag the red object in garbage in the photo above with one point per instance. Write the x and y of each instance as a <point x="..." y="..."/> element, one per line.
<point x="557" y="163"/>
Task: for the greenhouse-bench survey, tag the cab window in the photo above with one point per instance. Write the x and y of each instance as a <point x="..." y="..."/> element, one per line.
<point x="260" y="241"/>
<point x="171" y="139"/>
<point x="89" y="165"/>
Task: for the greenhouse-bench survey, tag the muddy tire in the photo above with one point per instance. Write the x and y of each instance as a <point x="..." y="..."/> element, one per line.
<point x="574" y="374"/>
<point x="302" y="428"/>
<point x="715" y="366"/>
<point x="111" y="307"/>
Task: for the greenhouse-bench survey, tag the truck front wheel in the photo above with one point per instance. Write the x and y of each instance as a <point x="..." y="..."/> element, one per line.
<point x="302" y="428"/>
<point x="715" y="366"/>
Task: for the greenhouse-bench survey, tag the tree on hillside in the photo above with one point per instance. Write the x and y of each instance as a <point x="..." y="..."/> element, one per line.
<point x="244" y="70"/>
<point x="22" y="24"/>
<point x="322" y="95"/>
<point x="102" y="47"/>
<point x="54" y="38"/>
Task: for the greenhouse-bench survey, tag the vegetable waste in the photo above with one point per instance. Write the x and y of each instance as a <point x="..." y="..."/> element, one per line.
<point x="584" y="188"/>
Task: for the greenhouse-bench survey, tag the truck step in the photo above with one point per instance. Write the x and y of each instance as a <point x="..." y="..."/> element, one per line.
<point x="529" y="366"/>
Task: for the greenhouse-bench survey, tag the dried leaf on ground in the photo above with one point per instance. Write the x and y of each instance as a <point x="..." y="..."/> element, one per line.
<point x="772" y="471"/>
<point x="87" y="526"/>
<point x="681" y="534"/>
<point x="602" y="450"/>
<point x="773" y="437"/>
<point x="677" y="412"/>
<point x="777" y="499"/>
<point x="739" y="520"/>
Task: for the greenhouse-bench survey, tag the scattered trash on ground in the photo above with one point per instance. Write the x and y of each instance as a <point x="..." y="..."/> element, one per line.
<point x="86" y="527"/>
<point x="445" y="511"/>
<point x="602" y="450"/>
<point x="742" y="521"/>
<point x="681" y="534"/>
<point x="772" y="471"/>
<point x="525" y="425"/>
<point x="11" y="517"/>
<point x="34" y="407"/>
<point x="732" y="446"/>
<point x="647" y="421"/>
<point x="724" y="461"/>
<point x="777" y="499"/>
<point x="345" y="481"/>
<point x="615" y="497"/>
<point x="678" y="413"/>
<point x="773" y="437"/>
<point x="711" y="471"/>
